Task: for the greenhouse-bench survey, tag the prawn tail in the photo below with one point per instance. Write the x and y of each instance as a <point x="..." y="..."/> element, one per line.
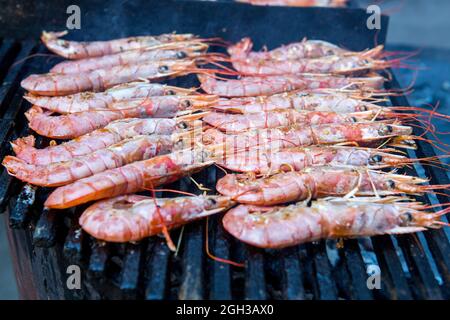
<point x="21" y="144"/>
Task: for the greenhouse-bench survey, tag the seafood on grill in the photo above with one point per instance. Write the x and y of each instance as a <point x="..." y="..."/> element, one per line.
<point x="305" y="49"/>
<point x="61" y="173"/>
<point x="271" y="84"/>
<point x="235" y="123"/>
<point x="279" y="227"/>
<point x="73" y="125"/>
<point x="318" y="182"/>
<point x="85" y="101"/>
<point x="265" y="161"/>
<point x="78" y="50"/>
<point x="134" y="217"/>
<point x="60" y="84"/>
<point x="345" y="64"/>
<point x="324" y="100"/>
<point x="360" y="133"/>
<point x="170" y="51"/>
<point x="113" y="133"/>
<point x="131" y="178"/>
<point x="298" y="3"/>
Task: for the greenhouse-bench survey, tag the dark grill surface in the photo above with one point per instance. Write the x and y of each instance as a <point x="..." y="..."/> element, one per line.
<point x="46" y="242"/>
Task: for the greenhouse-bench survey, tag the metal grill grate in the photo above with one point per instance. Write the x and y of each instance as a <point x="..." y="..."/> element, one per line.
<point x="412" y="266"/>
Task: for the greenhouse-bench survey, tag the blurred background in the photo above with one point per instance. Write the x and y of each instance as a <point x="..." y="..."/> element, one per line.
<point x="422" y="25"/>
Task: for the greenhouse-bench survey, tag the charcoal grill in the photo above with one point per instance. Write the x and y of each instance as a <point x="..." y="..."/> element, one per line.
<point x="44" y="243"/>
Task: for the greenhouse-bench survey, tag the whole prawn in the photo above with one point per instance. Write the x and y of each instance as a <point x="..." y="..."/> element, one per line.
<point x="57" y="84"/>
<point x="279" y="227"/>
<point x="305" y="49"/>
<point x="235" y="123"/>
<point x="61" y="173"/>
<point x="317" y="182"/>
<point x="362" y="133"/>
<point x="85" y="101"/>
<point x="267" y="85"/>
<point x="170" y="51"/>
<point x="297" y="3"/>
<point x="324" y="100"/>
<point x="263" y="162"/>
<point x="78" y="50"/>
<point x="132" y="217"/>
<point x="131" y="178"/>
<point x="114" y="132"/>
<point x="76" y="124"/>
<point x="343" y="65"/>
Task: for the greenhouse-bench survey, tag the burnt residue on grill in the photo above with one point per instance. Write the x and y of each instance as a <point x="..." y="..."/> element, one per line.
<point x="46" y="242"/>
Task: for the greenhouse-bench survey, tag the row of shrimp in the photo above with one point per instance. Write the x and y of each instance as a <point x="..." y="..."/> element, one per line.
<point x="304" y="134"/>
<point x="301" y="123"/>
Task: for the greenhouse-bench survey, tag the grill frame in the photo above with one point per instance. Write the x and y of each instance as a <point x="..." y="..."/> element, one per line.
<point x="48" y="242"/>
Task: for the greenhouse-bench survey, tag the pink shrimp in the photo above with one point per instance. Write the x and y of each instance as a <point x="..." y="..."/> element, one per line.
<point x="344" y="65"/>
<point x="133" y="217"/>
<point x="113" y="133"/>
<point x="117" y="155"/>
<point x="85" y="101"/>
<point x="306" y="49"/>
<point x="267" y="85"/>
<point x="235" y="123"/>
<point x="324" y="100"/>
<point x="302" y="135"/>
<point x="56" y="84"/>
<point x="79" y="50"/>
<point x="131" y="178"/>
<point x="170" y="51"/>
<point x="262" y="161"/>
<point x="316" y="183"/>
<point x="297" y="3"/>
<point x="278" y="227"/>
<point x="76" y="124"/>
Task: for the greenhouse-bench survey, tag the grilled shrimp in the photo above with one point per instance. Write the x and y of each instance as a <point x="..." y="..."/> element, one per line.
<point x="57" y="84"/>
<point x="76" y="124"/>
<point x="170" y="51"/>
<point x="306" y="49"/>
<point x="235" y="123"/>
<point x="133" y="217"/>
<point x="131" y="178"/>
<point x="85" y="101"/>
<point x="270" y="162"/>
<point x="113" y="133"/>
<point x="297" y="3"/>
<point x="302" y="135"/>
<point x="267" y="85"/>
<point x="326" y="100"/>
<point x="278" y="227"/>
<point x="117" y="155"/>
<point x="346" y="65"/>
<point x="316" y="183"/>
<point x="79" y="50"/>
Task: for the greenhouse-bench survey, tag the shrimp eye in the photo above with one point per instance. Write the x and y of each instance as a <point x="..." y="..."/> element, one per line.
<point x="363" y="108"/>
<point x="212" y="201"/>
<point x="186" y="103"/>
<point x="163" y="69"/>
<point x="385" y="130"/>
<point x="407" y="218"/>
<point x="182" y="125"/>
<point x="375" y="159"/>
<point x="391" y="184"/>
<point x="181" y="55"/>
<point x="354" y="119"/>
<point x="170" y="93"/>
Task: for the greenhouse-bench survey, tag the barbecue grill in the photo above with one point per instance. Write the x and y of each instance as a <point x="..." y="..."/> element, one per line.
<point x="45" y="242"/>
